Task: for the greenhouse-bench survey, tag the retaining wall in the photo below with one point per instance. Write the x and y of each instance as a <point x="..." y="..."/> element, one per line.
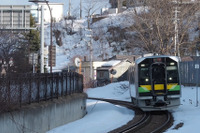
<point x="44" y="116"/>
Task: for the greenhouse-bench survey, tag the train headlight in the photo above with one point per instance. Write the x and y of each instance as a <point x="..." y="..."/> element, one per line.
<point x="170" y="78"/>
<point x="142" y="65"/>
<point x="172" y="63"/>
<point x="146" y="79"/>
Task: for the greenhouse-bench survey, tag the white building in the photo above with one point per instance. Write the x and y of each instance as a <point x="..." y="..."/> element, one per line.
<point x="56" y="8"/>
<point x="15" y="17"/>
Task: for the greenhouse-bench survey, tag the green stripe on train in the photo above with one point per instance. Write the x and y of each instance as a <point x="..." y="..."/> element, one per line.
<point x="142" y="89"/>
<point x="175" y="88"/>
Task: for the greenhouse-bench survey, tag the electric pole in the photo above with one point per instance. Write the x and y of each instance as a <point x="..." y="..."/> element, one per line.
<point x="69" y="10"/>
<point x="80" y="9"/>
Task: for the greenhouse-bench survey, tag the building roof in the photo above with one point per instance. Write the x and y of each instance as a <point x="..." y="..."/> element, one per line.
<point x="111" y="63"/>
<point x="187" y="58"/>
<point x="131" y="58"/>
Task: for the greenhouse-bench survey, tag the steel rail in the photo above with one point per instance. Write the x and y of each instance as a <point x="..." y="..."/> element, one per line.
<point x="139" y="124"/>
<point x="160" y="128"/>
<point x="131" y="127"/>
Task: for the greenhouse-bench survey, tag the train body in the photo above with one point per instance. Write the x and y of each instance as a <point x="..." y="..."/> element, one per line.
<point x="154" y="83"/>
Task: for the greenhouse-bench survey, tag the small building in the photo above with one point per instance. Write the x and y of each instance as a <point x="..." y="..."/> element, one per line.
<point x="131" y="58"/>
<point x="113" y="71"/>
<point x="86" y="68"/>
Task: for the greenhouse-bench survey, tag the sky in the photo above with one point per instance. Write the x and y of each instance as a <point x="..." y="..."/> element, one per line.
<point x="103" y="117"/>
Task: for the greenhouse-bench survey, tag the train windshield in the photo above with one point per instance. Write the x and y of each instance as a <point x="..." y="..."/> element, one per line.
<point x="172" y="74"/>
<point x="160" y="69"/>
<point x="158" y="73"/>
<point x="144" y="78"/>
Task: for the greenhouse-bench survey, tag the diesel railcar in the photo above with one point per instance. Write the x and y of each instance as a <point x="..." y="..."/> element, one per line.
<point x="154" y="83"/>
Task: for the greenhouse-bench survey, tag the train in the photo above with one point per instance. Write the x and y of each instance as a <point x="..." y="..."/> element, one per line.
<point x="154" y="83"/>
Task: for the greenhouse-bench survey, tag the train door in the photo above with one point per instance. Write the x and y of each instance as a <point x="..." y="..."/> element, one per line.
<point x="158" y="76"/>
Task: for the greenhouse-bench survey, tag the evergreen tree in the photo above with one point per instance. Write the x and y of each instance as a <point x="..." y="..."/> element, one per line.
<point x="33" y="37"/>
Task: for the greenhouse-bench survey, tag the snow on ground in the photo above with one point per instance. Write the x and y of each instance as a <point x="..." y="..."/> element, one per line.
<point x="188" y="113"/>
<point x="103" y="117"/>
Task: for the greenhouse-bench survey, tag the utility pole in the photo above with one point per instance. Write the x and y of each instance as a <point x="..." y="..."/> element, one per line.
<point x="41" y="37"/>
<point x="119" y="5"/>
<point x="176" y="40"/>
<point x="42" y="34"/>
<point x="91" y="60"/>
<point x="80" y="9"/>
<point x="69" y="10"/>
<point x="89" y="35"/>
<point x="51" y="36"/>
<point x="42" y="41"/>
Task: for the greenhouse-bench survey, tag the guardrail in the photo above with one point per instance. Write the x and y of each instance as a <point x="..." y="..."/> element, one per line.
<point x="20" y="89"/>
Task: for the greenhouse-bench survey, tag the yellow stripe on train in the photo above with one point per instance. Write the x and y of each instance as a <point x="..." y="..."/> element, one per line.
<point x="159" y="86"/>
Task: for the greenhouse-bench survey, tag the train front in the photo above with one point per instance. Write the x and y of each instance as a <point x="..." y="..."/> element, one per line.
<point x="158" y="85"/>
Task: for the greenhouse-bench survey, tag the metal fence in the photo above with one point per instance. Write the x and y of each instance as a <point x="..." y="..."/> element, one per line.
<point x="190" y="72"/>
<point x="20" y="89"/>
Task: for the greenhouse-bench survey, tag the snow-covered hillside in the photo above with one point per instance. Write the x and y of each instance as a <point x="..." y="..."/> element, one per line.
<point x="76" y="38"/>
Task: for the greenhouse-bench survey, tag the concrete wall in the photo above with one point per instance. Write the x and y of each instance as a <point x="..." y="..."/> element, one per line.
<point x="39" y="118"/>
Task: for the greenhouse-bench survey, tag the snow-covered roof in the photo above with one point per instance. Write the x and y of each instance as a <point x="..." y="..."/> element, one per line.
<point x="111" y="63"/>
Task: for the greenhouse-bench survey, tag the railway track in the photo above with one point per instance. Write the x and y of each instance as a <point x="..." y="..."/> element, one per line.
<point x="143" y="122"/>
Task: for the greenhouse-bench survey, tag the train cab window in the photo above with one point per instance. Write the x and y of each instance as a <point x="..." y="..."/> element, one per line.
<point x="172" y="71"/>
<point x="172" y="74"/>
<point x="158" y="74"/>
<point x="144" y="76"/>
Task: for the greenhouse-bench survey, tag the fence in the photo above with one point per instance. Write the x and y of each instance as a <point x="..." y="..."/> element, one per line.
<point x="21" y="89"/>
<point x="190" y="72"/>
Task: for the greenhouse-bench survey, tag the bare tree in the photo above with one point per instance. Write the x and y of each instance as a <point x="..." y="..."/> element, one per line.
<point x="9" y="43"/>
<point x="90" y="7"/>
<point x="155" y="23"/>
<point x="99" y="36"/>
<point x="16" y="47"/>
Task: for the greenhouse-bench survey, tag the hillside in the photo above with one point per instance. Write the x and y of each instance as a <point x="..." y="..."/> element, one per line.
<point x="73" y="39"/>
